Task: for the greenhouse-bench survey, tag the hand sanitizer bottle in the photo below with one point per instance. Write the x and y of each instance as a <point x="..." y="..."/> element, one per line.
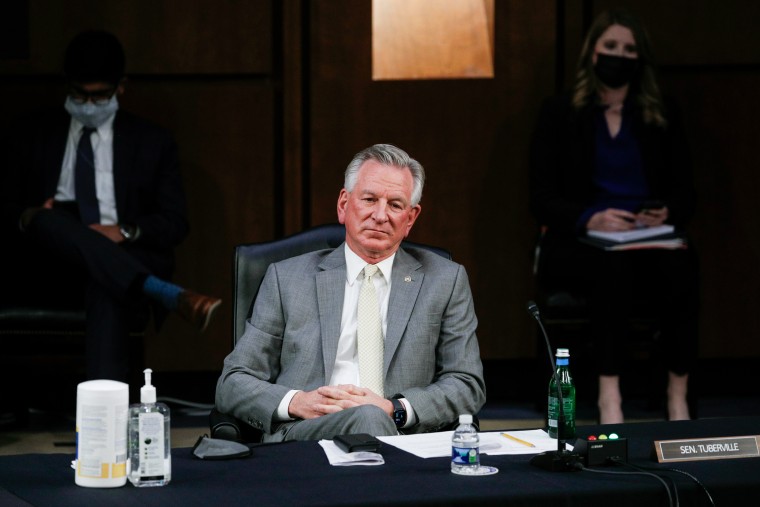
<point x="149" y="446"/>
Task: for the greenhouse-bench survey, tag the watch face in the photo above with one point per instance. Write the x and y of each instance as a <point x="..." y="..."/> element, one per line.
<point x="399" y="413"/>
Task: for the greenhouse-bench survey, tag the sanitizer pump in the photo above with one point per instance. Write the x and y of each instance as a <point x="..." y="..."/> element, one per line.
<point x="149" y="445"/>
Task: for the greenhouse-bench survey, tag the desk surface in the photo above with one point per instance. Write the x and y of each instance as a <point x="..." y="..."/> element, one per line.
<point x="298" y="473"/>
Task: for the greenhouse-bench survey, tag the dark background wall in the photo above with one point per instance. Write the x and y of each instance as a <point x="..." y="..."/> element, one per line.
<point x="269" y="100"/>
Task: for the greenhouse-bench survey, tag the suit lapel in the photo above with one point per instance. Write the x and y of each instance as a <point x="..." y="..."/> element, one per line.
<point x="54" y="158"/>
<point x="123" y="145"/>
<point x="406" y="283"/>
<point x="331" y="283"/>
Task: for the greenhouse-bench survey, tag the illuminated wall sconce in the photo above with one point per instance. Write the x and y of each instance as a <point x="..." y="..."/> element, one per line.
<point x="432" y="39"/>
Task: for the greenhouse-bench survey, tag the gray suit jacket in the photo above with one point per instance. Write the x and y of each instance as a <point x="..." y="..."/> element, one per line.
<point x="432" y="356"/>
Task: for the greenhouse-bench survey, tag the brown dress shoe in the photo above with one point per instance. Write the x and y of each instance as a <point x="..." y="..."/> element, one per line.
<point x="197" y="309"/>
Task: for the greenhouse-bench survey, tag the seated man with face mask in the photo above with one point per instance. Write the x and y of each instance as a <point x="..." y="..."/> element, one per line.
<point x="92" y="209"/>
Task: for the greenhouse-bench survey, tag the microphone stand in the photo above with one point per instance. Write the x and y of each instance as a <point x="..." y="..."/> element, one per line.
<point x="560" y="460"/>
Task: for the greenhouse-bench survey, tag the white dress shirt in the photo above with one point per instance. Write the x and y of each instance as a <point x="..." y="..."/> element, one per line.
<point x="346" y="369"/>
<point x="102" y="148"/>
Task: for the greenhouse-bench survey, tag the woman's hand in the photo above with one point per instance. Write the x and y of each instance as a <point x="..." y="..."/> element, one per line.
<point x="611" y="220"/>
<point x="652" y="217"/>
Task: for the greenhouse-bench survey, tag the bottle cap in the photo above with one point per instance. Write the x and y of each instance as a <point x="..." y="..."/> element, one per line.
<point x="465" y="419"/>
<point x="147" y="392"/>
<point x="563" y="352"/>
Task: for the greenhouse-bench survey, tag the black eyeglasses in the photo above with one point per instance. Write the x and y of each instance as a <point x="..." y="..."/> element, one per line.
<point x="98" y="97"/>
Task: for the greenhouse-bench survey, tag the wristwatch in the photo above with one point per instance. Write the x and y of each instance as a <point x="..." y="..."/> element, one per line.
<point x="128" y="231"/>
<point x="399" y="413"/>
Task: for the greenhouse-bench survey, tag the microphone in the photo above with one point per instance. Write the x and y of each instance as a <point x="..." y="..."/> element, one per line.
<point x="560" y="460"/>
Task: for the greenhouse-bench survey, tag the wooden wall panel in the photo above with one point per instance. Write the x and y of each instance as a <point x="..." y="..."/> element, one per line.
<point x="471" y="136"/>
<point x="160" y="37"/>
<point x="225" y="137"/>
<point x="721" y="111"/>
<point x="698" y="32"/>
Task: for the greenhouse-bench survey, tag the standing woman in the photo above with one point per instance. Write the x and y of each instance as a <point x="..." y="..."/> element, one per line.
<point x="611" y="155"/>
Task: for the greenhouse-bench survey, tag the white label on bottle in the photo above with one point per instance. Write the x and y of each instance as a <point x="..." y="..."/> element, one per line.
<point x="151" y="431"/>
<point x="101" y="450"/>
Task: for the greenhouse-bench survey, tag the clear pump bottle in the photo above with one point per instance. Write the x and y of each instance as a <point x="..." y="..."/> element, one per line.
<point x="149" y="445"/>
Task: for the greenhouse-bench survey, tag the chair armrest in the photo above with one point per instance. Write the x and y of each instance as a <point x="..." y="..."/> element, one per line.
<point x="227" y="427"/>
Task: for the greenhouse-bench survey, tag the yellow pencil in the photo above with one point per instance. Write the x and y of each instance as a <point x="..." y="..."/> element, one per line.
<point x="519" y="441"/>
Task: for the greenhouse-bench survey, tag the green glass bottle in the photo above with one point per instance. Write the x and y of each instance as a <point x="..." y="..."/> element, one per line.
<point x="568" y="397"/>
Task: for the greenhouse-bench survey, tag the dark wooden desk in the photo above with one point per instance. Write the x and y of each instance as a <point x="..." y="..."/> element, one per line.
<point x="298" y="474"/>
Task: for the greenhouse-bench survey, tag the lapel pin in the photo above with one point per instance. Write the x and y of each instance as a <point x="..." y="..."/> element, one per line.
<point x="407" y="278"/>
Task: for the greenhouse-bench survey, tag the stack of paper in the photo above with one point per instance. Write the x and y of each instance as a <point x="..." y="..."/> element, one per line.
<point x="633" y="234"/>
<point x="436" y="445"/>
<point x="338" y="457"/>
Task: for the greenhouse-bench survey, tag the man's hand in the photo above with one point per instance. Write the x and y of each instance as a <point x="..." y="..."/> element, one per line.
<point x="331" y="399"/>
<point x="111" y="232"/>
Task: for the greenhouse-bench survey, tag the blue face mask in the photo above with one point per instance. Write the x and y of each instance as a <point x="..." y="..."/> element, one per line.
<point x="89" y="114"/>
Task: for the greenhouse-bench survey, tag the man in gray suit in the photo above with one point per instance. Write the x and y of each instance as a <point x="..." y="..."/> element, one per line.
<point x="298" y="371"/>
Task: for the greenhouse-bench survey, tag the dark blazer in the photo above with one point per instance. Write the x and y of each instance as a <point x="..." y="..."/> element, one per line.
<point x="147" y="184"/>
<point x="562" y="165"/>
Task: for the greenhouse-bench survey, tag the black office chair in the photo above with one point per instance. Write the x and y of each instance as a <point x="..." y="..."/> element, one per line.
<point x="49" y="340"/>
<point x="249" y="267"/>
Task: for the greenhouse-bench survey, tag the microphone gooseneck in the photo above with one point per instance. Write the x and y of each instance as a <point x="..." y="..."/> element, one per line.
<point x="560" y="460"/>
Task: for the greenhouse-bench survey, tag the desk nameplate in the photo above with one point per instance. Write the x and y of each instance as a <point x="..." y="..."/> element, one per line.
<point x="699" y="449"/>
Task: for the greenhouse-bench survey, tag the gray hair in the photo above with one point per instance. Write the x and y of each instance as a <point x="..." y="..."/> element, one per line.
<point x="387" y="154"/>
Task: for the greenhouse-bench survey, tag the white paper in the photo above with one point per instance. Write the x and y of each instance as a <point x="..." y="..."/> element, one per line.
<point x="436" y="445"/>
<point x="338" y="457"/>
<point x="633" y="234"/>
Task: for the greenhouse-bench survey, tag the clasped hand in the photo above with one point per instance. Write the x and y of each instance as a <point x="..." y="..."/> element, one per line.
<point x="613" y="219"/>
<point x="112" y="232"/>
<point x="330" y="399"/>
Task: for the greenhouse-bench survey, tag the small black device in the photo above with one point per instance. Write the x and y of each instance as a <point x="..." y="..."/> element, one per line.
<point x="651" y="204"/>
<point x="357" y="442"/>
<point x="601" y="452"/>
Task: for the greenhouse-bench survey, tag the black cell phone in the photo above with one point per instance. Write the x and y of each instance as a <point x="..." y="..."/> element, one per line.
<point x="651" y="204"/>
<point x="357" y="442"/>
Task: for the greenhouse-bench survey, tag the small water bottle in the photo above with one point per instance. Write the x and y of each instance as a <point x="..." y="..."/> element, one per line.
<point x="465" y="447"/>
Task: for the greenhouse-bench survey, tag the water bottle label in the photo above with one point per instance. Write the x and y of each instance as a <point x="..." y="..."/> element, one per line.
<point x="568" y="406"/>
<point x="465" y="455"/>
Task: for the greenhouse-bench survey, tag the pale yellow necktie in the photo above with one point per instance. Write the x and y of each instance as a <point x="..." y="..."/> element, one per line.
<point x="370" y="335"/>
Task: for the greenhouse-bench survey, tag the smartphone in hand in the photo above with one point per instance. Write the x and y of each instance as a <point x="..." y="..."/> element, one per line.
<point x="650" y="204"/>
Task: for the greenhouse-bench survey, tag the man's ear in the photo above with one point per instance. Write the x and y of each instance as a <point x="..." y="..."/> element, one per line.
<point x="342" y="203"/>
<point x="413" y="214"/>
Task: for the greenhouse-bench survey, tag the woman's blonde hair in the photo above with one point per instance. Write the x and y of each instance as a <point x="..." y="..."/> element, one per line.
<point x="643" y="88"/>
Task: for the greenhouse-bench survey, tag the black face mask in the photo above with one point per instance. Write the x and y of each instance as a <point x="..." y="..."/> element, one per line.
<point x="615" y="71"/>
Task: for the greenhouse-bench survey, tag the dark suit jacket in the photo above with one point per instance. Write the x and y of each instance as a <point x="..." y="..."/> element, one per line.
<point x="290" y="342"/>
<point x="562" y="165"/>
<point x="147" y="184"/>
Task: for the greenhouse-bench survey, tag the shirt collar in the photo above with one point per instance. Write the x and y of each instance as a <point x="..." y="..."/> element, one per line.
<point x="355" y="265"/>
<point x="105" y="130"/>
